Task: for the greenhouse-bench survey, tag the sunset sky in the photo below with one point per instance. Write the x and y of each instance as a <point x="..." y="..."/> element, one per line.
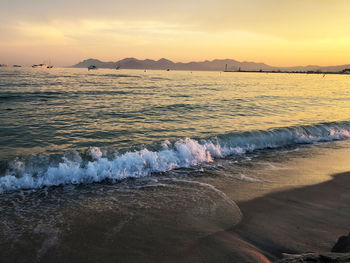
<point x="279" y="33"/>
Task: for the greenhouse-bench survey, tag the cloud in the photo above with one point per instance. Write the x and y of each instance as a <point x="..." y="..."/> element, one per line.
<point x="290" y="19"/>
<point x="258" y="29"/>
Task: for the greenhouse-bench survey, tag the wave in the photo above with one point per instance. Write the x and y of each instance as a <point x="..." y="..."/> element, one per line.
<point x="9" y="96"/>
<point x="96" y="165"/>
<point x="120" y="76"/>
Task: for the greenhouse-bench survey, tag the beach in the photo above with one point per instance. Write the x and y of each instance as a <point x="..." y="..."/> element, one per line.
<point x="307" y="219"/>
<point x="174" y="131"/>
<point x="189" y="219"/>
<point x="300" y="220"/>
<point x="158" y="166"/>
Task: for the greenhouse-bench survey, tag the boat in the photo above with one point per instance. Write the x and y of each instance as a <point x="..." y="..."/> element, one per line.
<point x="16" y="66"/>
<point x="43" y="65"/>
<point x="91" y="67"/>
<point x="3" y="65"/>
<point x="39" y="66"/>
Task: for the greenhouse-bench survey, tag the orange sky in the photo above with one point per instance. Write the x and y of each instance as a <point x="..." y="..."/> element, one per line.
<point x="280" y="33"/>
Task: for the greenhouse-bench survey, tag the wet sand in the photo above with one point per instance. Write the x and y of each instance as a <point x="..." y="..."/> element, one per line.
<point x="307" y="219"/>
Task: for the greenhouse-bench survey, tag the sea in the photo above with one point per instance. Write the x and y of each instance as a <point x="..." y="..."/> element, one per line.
<point x="139" y="165"/>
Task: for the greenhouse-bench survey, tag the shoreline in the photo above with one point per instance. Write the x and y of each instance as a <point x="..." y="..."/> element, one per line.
<point x="291" y="72"/>
<point x="296" y="221"/>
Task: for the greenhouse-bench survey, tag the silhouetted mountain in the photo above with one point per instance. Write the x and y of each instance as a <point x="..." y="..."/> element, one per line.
<point x="162" y="64"/>
<point x="214" y="65"/>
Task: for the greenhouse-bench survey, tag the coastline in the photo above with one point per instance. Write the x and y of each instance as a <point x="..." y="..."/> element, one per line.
<point x="344" y="72"/>
<point x="306" y="219"/>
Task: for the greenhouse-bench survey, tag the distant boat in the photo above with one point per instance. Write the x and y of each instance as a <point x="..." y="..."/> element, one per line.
<point x="168" y="69"/>
<point x="91" y="67"/>
<point x="3" y="65"/>
<point x="49" y="65"/>
<point x="16" y="66"/>
<point x="40" y="66"/>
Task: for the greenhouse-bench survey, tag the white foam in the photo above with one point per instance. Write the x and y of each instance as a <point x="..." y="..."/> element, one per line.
<point x="186" y="153"/>
<point x="182" y="154"/>
<point x="249" y="179"/>
<point x="94" y="152"/>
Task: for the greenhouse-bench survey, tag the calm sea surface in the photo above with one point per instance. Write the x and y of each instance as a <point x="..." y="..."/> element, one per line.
<point x="52" y="111"/>
<point x="133" y="161"/>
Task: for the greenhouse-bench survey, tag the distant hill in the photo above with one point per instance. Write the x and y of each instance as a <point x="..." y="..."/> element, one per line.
<point x="213" y="65"/>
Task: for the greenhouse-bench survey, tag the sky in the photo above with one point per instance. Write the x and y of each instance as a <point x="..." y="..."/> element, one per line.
<point x="276" y="32"/>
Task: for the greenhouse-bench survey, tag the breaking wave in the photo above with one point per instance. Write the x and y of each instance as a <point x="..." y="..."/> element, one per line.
<point x="96" y="165"/>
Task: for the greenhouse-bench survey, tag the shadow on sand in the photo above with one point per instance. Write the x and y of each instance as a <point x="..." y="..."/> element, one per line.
<point x="307" y="219"/>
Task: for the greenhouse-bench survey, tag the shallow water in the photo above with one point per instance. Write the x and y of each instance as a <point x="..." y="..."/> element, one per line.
<point x="138" y="165"/>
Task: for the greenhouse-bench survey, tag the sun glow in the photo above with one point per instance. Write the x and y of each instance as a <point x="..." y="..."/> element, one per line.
<point x="281" y="34"/>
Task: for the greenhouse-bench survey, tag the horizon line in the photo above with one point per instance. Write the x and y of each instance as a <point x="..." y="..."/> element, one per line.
<point x="210" y="60"/>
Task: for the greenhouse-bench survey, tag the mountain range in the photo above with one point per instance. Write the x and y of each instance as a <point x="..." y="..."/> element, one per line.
<point x="213" y="65"/>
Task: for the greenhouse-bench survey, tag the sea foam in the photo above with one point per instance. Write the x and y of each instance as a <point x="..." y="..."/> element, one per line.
<point x="184" y="153"/>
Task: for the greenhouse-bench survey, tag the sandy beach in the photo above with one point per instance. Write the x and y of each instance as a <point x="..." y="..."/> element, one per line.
<point x="307" y="219"/>
<point x="162" y="166"/>
<point x="174" y="131"/>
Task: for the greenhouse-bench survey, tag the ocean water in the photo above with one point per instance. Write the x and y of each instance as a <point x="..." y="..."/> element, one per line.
<point x="138" y="165"/>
